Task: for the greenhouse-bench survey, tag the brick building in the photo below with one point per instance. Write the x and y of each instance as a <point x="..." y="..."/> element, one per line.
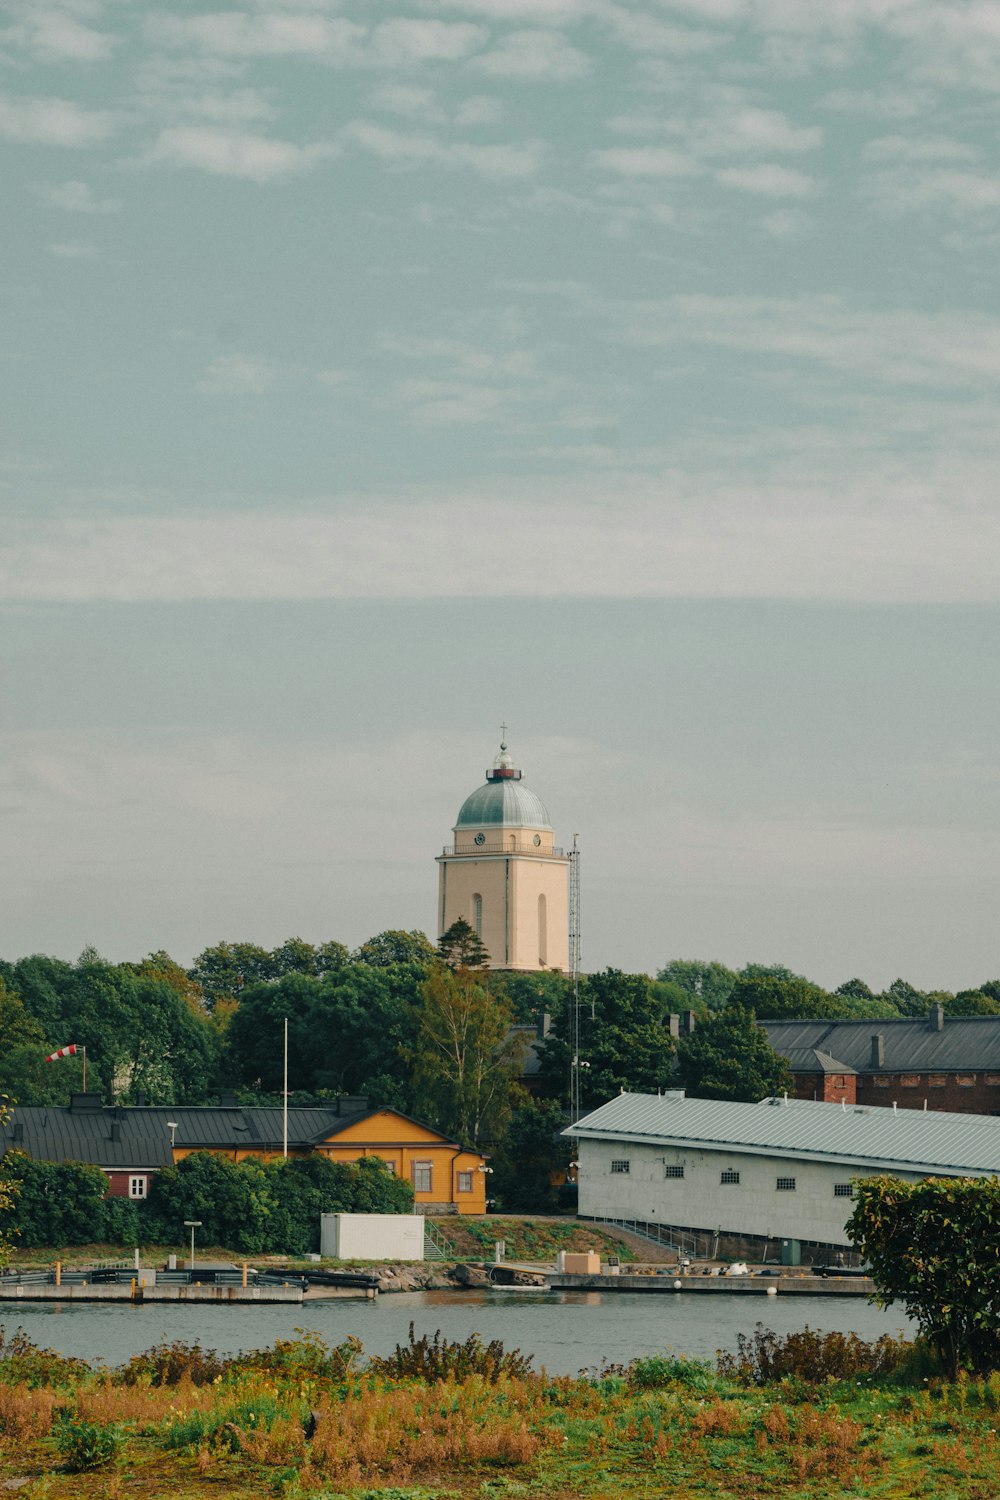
<point x="934" y="1062"/>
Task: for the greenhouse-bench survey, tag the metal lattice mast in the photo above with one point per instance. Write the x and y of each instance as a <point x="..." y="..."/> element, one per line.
<point x="574" y="968"/>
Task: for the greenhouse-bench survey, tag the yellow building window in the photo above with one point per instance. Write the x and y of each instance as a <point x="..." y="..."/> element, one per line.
<point x="465" y="1182"/>
<point x="423" y="1176"/>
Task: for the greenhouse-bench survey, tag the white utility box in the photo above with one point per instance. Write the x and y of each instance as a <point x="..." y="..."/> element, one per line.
<point x="372" y="1236"/>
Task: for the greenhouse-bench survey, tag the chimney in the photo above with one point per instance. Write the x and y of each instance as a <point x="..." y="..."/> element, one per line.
<point x="352" y="1104"/>
<point x="688" y="1022"/>
<point x="84" y="1103"/>
<point x="937" y="1016"/>
<point x="228" y="1099"/>
<point x="878" y="1051"/>
<point x="544" y="1023"/>
<point x="116" y="1130"/>
<point x="674" y="1023"/>
<point x="17" y="1132"/>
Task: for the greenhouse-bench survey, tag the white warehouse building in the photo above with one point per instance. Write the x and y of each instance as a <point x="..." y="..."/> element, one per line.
<point x="779" y="1170"/>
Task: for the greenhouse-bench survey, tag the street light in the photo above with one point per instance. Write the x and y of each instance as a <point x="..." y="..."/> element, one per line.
<point x="192" y="1224"/>
<point x="173" y="1127"/>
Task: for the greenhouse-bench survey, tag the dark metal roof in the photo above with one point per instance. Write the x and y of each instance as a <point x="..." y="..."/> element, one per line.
<point x="814" y="1060"/>
<point x="143" y="1132"/>
<point x="964" y="1044"/>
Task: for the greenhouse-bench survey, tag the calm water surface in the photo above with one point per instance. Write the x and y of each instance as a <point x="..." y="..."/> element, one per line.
<point x="565" y="1331"/>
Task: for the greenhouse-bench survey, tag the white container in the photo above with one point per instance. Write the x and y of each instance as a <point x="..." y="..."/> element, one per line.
<point x="372" y="1236"/>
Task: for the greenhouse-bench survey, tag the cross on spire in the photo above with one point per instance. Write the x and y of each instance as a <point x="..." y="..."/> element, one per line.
<point x="503" y="732"/>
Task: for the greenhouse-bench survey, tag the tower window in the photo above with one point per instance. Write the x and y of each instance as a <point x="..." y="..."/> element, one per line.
<point x="477" y="915"/>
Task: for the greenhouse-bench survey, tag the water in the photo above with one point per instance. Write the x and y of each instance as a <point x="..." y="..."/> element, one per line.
<point x="565" y="1331"/>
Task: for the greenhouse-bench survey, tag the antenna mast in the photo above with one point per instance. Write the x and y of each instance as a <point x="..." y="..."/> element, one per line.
<point x="574" y="968"/>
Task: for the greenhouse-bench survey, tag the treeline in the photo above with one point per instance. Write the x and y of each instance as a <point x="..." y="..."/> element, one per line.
<point x="429" y="1031"/>
<point x="250" y="1206"/>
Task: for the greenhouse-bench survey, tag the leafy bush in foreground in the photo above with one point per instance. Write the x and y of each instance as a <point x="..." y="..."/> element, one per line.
<point x="434" y="1359"/>
<point x="811" y="1356"/>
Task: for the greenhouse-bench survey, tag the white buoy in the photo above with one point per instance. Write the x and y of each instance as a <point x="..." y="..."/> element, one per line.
<point x="678" y="1286"/>
<point x="772" y="1291"/>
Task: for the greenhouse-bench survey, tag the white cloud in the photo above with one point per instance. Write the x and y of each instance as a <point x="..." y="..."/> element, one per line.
<point x="938" y="350"/>
<point x="913" y="190"/>
<point x="534" y="56"/>
<point x="53" y="35"/>
<point x="479" y="109"/>
<point x="855" y="540"/>
<point x="767" y="179"/>
<point x="73" y="250"/>
<point x="403" y="41"/>
<point x="786" y="223"/>
<point x="407" y="99"/>
<point x="504" y="161"/>
<point x="53" y="122"/>
<point x="232" y="153"/>
<point x="76" y="198"/>
<point x="901" y="148"/>
<point x="238" y="33"/>
<point x="237" y="375"/>
<point x="645" y="161"/>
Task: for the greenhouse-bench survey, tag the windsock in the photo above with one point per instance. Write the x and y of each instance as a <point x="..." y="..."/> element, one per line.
<point x="63" y="1052"/>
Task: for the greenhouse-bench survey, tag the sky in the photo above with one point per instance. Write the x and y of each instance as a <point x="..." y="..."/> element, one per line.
<point x="626" y="370"/>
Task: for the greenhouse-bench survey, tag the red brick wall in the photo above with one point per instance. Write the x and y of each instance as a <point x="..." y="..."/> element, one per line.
<point x="831" y="1087"/>
<point x="961" y="1093"/>
<point x="118" y="1182"/>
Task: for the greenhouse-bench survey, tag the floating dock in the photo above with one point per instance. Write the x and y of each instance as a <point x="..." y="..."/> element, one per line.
<point x="739" y="1286"/>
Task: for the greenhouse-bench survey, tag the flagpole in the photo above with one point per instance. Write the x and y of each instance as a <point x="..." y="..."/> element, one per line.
<point x="84" y="1051"/>
<point x="284" y="1100"/>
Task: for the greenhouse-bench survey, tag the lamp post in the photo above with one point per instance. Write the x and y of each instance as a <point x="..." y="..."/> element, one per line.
<point x="172" y="1126"/>
<point x="192" y="1224"/>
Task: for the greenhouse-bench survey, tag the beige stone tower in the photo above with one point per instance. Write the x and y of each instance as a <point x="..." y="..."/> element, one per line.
<point x="503" y="875"/>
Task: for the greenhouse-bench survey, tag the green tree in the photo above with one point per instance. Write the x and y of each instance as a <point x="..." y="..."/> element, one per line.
<point x="233" y="1200"/>
<point x="225" y="970"/>
<point x="462" y="1057"/>
<point x="971" y="1003"/>
<point x="932" y="1246"/>
<point x="304" y="1188"/>
<point x="625" y="1040"/>
<point x="54" y="1203"/>
<point x="730" y="1057"/>
<point x="533" y="994"/>
<point x="776" y="997"/>
<point x="461" y="948"/>
<point x="395" y="947"/>
<point x="532" y="1152"/>
<point x="907" y="1000"/>
<point x="706" y="984"/>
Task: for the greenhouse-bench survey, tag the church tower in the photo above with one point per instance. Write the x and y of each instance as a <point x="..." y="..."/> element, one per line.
<point x="505" y="877"/>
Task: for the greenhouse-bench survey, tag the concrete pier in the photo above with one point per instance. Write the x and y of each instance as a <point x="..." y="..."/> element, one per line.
<point x="739" y="1286"/>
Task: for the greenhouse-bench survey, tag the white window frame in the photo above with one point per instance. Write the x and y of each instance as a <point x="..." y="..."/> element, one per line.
<point x="138" y="1186"/>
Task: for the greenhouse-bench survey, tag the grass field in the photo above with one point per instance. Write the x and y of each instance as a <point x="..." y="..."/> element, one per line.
<point x="468" y="1420"/>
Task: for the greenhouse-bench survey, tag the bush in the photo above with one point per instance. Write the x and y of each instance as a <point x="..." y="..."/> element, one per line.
<point x="22" y="1362"/>
<point x="168" y="1364"/>
<point x="86" y="1445"/>
<point x="306" y="1355"/>
<point x="811" y="1356"/>
<point x="434" y="1359"/>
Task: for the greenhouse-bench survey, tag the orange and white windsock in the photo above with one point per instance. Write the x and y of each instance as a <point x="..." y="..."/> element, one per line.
<point x="63" y="1052"/>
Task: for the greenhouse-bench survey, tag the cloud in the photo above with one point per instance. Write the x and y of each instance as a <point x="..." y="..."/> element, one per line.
<point x="786" y="223"/>
<point x="913" y="191"/>
<point x="232" y="153"/>
<point x="948" y="350"/>
<point x="398" y="42"/>
<point x="52" y="35"/>
<point x="857" y="540"/>
<point x="767" y="179"/>
<point x="534" y="56"/>
<point x="901" y="148"/>
<point x="75" y="198"/>
<point x="73" y="250"/>
<point x="236" y="375"/>
<point x="504" y="161"/>
<point x="645" y="161"/>
<point x="53" y="122"/>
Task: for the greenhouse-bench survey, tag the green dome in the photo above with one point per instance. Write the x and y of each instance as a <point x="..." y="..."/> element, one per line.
<point x="503" y="804"/>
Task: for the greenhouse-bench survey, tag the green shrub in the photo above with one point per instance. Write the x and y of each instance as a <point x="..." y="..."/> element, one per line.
<point x="23" y="1362"/>
<point x="86" y="1445"/>
<point x="434" y="1359"/>
<point x="306" y="1355"/>
<point x="167" y="1364"/>
<point x="811" y="1356"/>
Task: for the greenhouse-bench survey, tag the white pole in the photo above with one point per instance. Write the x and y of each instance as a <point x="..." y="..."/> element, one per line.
<point x="284" y="1112"/>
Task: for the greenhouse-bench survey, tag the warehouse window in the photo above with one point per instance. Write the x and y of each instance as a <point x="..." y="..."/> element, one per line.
<point x="843" y="1190"/>
<point x="621" y="1166"/>
<point x="729" y="1178"/>
<point x="673" y="1171"/>
<point x="785" y="1185"/>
